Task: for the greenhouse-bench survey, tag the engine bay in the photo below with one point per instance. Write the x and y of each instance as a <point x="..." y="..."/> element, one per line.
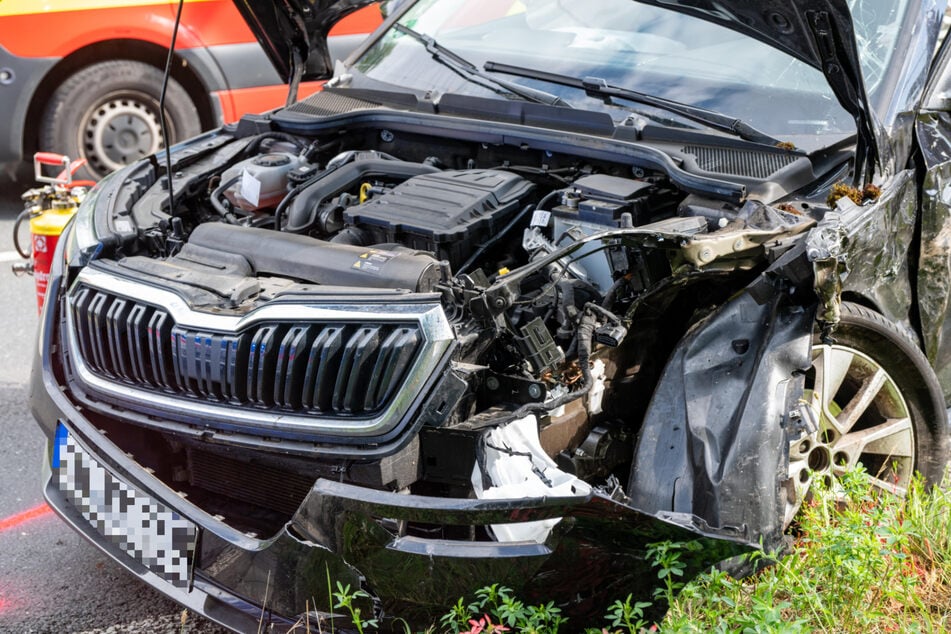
<point x="566" y="279"/>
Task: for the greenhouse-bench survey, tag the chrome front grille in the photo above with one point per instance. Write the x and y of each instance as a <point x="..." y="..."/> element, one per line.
<point x="333" y="368"/>
<point x="340" y="369"/>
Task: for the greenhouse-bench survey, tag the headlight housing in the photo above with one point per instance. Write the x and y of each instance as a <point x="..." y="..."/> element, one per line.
<point x="85" y="238"/>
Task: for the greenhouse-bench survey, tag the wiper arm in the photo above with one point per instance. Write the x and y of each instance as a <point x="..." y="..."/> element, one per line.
<point x="597" y="87"/>
<point x="472" y="72"/>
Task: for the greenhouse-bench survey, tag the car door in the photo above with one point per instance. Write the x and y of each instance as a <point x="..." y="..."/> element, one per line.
<point x="933" y="136"/>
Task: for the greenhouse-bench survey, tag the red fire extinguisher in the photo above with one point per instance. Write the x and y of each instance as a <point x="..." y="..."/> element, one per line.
<point x="49" y="209"/>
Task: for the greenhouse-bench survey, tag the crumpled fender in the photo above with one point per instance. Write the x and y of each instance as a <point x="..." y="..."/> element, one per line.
<point x="715" y="441"/>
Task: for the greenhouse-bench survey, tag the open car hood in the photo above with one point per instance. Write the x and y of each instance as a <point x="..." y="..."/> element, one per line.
<point x="293" y="33"/>
<point x="818" y="32"/>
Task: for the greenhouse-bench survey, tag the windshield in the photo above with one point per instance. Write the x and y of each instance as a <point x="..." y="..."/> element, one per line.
<point x="627" y="44"/>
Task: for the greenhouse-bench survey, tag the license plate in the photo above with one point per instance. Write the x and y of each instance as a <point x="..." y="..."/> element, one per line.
<point x="143" y="528"/>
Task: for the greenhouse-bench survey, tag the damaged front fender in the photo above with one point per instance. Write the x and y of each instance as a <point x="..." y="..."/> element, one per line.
<point x="715" y="440"/>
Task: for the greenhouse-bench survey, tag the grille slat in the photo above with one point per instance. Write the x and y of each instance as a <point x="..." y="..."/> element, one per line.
<point x="81" y="323"/>
<point x="358" y="360"/>
<point x="292" y="367"/>
<point x="322" y="365"/>
<point x="238" y="353"/>
<point x="393" y="362"/>
<point x="179" y="353"/>
<point x="137" y="340"/>
<point x="97" y="318"/>
<point x="261" y="370"/>
<point x="160" y="353"/>
<point x="116" y="324"/>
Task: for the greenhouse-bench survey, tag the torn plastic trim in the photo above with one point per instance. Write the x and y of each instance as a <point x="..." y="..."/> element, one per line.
<point x="328" y="499"/>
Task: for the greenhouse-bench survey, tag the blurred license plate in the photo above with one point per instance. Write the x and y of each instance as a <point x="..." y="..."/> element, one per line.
<point x="144" y="528"/>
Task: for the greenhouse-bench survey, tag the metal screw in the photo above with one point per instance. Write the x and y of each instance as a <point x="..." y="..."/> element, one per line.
<point x="535" y="390"/>
<point x="6" y="76"/>
<point x="492" y="383"/>
<point x="386" y="136"/>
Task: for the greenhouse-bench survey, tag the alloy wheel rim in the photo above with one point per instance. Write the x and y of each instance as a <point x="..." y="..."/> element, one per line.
<point x="862" y="418"/>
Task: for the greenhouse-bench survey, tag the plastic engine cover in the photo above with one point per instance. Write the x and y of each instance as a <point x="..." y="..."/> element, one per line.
<point x="446" y="213"/>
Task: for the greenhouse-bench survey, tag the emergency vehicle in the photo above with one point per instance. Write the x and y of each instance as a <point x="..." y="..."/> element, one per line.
<point x="83" y="77"/>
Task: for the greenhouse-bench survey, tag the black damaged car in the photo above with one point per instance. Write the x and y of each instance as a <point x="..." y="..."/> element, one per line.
<point x="529" y="285"/>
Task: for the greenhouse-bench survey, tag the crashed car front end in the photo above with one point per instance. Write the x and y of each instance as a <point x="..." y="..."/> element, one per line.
<point x="420" y="345"/>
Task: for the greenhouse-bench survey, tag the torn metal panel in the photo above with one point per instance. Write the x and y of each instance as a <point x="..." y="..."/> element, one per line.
<point x="542" y="302"/>
<point x="900" y="86"/>
<point x="934" y="261"/>
<point x="878" y="242"/>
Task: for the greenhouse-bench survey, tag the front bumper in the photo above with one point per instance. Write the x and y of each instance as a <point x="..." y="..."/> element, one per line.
<point x="354" y="535"/>
<point x="595" y="554"/>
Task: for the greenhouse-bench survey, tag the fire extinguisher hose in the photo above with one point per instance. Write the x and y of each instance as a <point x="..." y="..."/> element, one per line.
<point x="24" y="215"/>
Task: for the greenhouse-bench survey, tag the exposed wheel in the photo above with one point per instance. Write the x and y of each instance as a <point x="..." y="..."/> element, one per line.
<point x="108" y="113"/>
<point x="877" y="402"/>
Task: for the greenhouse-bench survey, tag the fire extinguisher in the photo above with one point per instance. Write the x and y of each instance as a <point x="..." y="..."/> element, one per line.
<point x="49" y="209"/>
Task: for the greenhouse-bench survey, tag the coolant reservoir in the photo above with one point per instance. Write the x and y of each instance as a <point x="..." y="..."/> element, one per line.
<point x="259" y="182"/>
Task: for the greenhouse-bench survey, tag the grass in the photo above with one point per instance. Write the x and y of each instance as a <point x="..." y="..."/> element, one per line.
<point x="861" y="561"/>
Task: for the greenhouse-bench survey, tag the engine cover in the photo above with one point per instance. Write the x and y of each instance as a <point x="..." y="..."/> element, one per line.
<point x="447" y="213"/>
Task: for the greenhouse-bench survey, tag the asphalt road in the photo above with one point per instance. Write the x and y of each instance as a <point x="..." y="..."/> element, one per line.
<point x="51" y="580"/>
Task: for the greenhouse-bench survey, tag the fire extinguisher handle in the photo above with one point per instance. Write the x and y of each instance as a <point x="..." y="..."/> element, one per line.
<point x="50" y="158"/>
<point x="64" y="177"/>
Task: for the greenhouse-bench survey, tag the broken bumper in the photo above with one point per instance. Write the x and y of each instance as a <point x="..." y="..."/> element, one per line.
<point x="342" y="533"/>
<point x="349" y="534"/>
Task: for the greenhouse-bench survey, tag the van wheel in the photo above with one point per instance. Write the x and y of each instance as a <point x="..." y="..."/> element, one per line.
<point x="108" y="113"/>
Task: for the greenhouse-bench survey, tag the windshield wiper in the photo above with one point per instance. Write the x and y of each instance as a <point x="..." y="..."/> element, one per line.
<point x="473" y="73"/>
<point x="597" y="87"/>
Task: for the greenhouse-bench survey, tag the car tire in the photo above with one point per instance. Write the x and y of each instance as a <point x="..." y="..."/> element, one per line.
<point x="108" y="113"/>
<point x="877" y="402"/>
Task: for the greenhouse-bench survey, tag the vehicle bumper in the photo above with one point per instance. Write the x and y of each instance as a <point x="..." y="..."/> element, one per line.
<point x="595" y="554"/>
<point x="352" y="535"/>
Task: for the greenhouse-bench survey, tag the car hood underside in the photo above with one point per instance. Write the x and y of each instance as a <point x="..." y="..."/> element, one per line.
<point x="818" y="32"/>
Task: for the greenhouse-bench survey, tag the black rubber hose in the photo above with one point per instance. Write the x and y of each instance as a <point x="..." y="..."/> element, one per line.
<point x="24" y="215"/>
<point x="609" y="297"/>
<point x="255" y="145"/>
<point x="226" y="214"/>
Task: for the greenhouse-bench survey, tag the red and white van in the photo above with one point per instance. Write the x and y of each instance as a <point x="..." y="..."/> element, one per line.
<point x="83" y="77"/>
